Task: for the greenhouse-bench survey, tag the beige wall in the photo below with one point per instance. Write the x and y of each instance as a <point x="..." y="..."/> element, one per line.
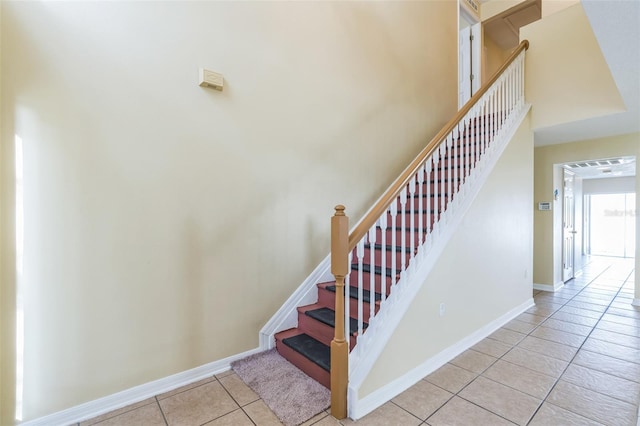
<point x="495" y="244"/>
<point x="549" y="7"/>
<point x="567" y="77"/>
<point x="494" y="7"/>
<point x="547" y="231"/>
<point x="165" y="223"/>
<point x="493" y="58"/>
<point x="7" y="262"/>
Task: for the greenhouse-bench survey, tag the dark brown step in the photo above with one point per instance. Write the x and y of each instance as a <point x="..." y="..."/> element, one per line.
<point x="327" y="297"/>
<point x="319" y="322"/>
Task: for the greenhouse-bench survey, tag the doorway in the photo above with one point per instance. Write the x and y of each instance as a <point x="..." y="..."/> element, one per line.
<point x="611" y="220"/>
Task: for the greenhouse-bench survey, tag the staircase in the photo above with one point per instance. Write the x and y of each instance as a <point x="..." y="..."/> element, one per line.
<point x="308" y="345"/>
<point x="387" y="256"/>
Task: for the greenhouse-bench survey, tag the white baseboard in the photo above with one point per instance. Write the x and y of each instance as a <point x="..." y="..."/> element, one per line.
<point x="548" y="287"/>
<point x="118" y="400"/>
<point x="361" y="407"/>
<point x="636" y="301"/>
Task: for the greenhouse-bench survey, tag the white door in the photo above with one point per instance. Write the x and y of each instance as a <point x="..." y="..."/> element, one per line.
<point x="464" y="71"/>
<point x="568" y="228"/>
<point x="469" y="61"/>
<point x="476" y="62"/>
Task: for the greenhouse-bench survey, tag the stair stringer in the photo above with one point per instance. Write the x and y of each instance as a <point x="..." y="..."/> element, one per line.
<point x="371" y="344"/>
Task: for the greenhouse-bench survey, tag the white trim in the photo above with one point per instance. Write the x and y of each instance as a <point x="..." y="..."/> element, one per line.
<point x="94" y="408"/>
<point x="362" y="407"/>
<point x="548" y="287"/>
<point x="636" y="301"/>
<point x="371" y="344"/>
<point x="287" y="316"/>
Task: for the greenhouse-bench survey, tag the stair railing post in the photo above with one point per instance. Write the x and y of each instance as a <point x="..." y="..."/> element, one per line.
<point x="339" y="345"/>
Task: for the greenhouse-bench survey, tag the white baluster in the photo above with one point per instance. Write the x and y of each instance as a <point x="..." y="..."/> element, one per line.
<point x="490" y="123"/>
<point x="383" y="252"/>
<point x="429" y="165"/>
<point x="512" y="77"/>
<point x="372" y="272"/>
<point x="511" y="90"/>
<point x="421" y="204"/>
<point x="442" y="152"/>
<point x="463" y="155"/>
<point x="481" y="126"/>
<point x="347" y="304"/>
<point x="487" y="119"/>
<point x="508" y="93"/>
<point x="493" y="114"/>
<point x="522" y="79"/>
<point x="393" y="209"/>
<point x="498" y="106"/>
<point x="456" y="161"/>
<point x="476" y="115"/>
<point x="412" y="207"/>
<point x="516" y="79"/>
<point x="403" y="227"/>
<point x="360" y="255"/>
<point x="467" y="126"/>
<point x="449" y="144"/>
<point x="436" y="185"/>
<point x="474" y="138"/>
<point x="503" y="101"/>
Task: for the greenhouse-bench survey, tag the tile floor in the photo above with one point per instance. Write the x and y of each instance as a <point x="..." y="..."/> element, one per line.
<point x="573" y="359"/>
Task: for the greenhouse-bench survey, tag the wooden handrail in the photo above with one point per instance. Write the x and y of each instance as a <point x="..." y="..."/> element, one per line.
<point x="394" y="190"/>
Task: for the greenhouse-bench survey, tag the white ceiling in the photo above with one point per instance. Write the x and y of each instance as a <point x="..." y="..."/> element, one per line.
<point x="616" y="25"/>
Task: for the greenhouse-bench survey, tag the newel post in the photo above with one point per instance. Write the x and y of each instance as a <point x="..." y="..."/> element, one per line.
<point x="339" y="346"/>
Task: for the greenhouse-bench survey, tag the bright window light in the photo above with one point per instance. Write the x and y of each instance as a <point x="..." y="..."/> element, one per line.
<point x="19" y="271"/>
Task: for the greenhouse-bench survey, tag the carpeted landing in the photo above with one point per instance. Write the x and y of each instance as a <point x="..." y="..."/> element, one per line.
<point x="292" y="395"/>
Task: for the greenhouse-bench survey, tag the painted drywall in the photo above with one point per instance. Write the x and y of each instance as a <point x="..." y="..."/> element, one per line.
<point x="165" y="222"/>
<point x="7" y="261"/>
<point x="494" y="57"/>
<point x="547" y="231"/>
<point x="617" y="185"/>
<point x="494" y="243"/>
<point x="549" y="7"/>
<point x="492" y="8"/>
<point x="568" y="78"/>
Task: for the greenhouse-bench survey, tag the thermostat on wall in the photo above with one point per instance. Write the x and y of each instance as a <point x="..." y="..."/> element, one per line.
<point x="544" y="206"/>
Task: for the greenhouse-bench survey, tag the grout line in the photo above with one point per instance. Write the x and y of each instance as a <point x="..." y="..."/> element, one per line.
<point x="166" y="422"/>
<point x="536" y="326"/>
<point x="409" y="412"/>
<point x="579" y="349"/>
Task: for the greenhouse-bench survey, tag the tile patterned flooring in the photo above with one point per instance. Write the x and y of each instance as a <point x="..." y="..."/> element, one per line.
<point x="573" y="359"/>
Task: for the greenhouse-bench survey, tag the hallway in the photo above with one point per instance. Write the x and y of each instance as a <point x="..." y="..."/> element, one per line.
<point x="573" y="359"/>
